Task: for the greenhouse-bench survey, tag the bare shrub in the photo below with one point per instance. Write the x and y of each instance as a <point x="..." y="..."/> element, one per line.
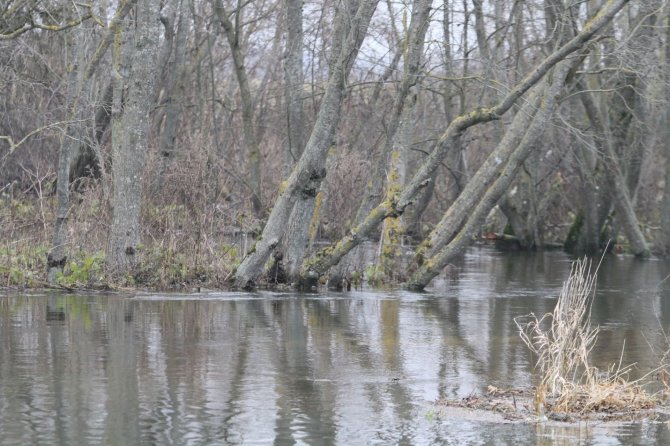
<point x="563" y="341"/>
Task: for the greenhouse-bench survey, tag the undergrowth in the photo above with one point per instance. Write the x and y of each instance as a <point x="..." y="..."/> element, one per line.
<point x="178" y="250"/>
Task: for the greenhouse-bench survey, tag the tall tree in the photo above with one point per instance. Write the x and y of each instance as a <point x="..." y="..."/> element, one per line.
<point x="309" y="172"/>
<point x="297" y="234"/>
<point x="665" y="207"/>
<point x="77" y="80"/>
<point x="134" y="72"/>
<point x="233" y="28"/>
<point x="176" y="32"/>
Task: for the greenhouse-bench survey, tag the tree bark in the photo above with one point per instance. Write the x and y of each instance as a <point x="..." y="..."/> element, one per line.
<point x="173" y="92"/>
<point x="309" y="172"/>
<point x="56" y="258"/>
<point x="134" y="77"/>
<point x="297" y="236"/>
<point x="615" y="178"/>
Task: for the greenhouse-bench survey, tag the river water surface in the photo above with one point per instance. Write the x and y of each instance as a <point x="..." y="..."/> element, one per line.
<point x="355" y="368"/>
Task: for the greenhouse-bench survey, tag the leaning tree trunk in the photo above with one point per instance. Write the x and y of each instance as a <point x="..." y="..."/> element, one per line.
<point x="400" y="139"/>
<point x="616" y="180"/>
<point x="309" y="172"/>
<point x="134" y="77"/>
<point x="396" y="204"/>
<point x="547" y="94"/>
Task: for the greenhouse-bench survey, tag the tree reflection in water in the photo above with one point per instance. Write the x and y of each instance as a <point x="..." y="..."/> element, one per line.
<point x="352" y="368"/>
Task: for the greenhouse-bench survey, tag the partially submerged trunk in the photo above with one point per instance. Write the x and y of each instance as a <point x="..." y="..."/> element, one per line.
<point x="546" y="95"/>
<point x="615" y="178"/>
<point x="400" y="132"/>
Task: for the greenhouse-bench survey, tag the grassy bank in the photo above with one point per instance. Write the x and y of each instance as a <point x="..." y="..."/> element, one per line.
<point x="181" y="248"/>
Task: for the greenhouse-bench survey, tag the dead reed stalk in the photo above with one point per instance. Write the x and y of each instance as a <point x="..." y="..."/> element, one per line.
<point x="562" y="341"/>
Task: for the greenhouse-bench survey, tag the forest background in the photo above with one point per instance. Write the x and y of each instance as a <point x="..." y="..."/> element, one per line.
<point x="188" y="143"/>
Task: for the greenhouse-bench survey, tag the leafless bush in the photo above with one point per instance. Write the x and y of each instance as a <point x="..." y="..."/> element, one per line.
<point x="563" y="341"/>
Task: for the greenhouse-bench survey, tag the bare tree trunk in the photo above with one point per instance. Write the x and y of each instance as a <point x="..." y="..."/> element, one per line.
<point x="134" y="79"/>
<point x="452" y="221"/>
<point x="173" y="90"/>
<point x="619" y="187"/>
<point x="396" y="205"/>
<point x="309" y="172"/>
<point x="401" y="136"/>
<point x="57" y="256"/>
<point x="69" y="142"/>
<point x="234" y="37"/>
<point x="374" y="185"/>
<point x="294" y="84"/>
<point x="87" y="159"/>
<point x="584" y="234"/>
<point x="547" y="94"/>
<point x="297" y="235"/>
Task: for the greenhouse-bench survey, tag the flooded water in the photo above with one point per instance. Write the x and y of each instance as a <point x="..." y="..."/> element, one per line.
<point x="354" y="368"/>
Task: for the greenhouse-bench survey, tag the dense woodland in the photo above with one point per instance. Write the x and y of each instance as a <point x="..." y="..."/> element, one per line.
<point x="171" y="143"/>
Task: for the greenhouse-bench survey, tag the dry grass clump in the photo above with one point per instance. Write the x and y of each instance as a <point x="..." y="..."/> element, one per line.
<point x="563" y="340"/>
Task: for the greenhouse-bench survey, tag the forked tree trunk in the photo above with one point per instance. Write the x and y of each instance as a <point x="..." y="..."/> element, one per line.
<point x="309" y="172"/>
